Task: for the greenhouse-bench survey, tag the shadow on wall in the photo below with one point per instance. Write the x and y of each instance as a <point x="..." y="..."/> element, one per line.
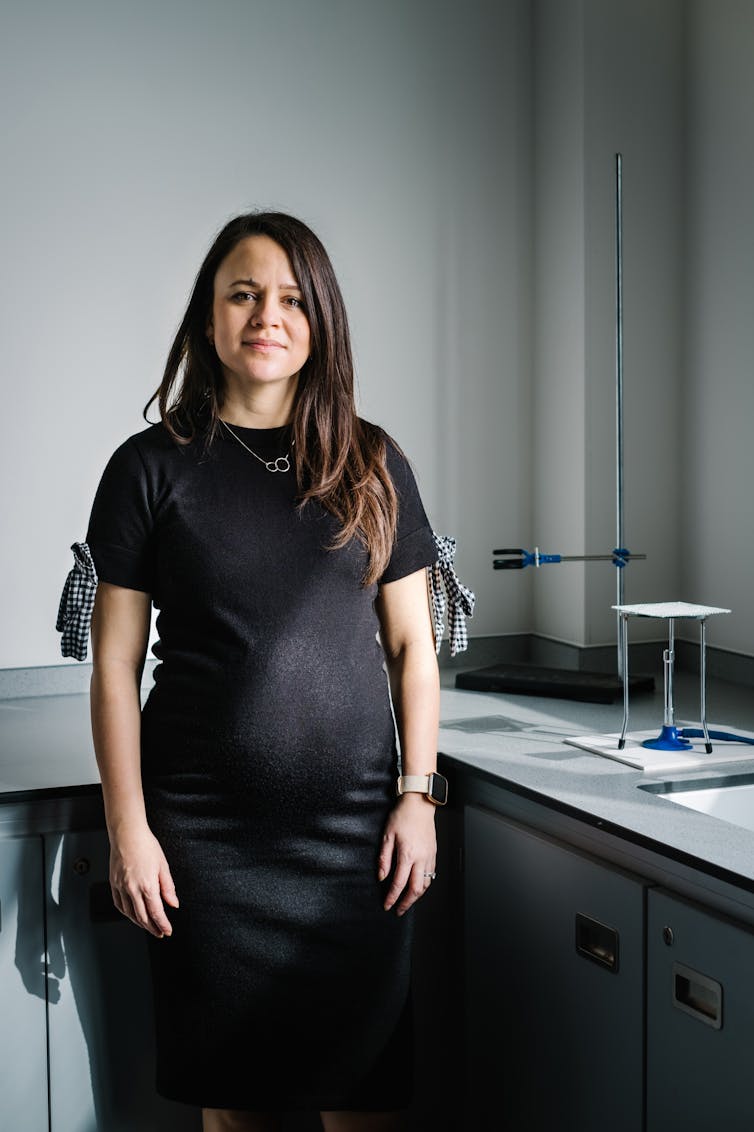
<point x="101" y="1045"/>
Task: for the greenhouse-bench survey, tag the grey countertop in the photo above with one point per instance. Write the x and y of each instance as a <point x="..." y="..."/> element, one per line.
<point x="516" y="741"/>
<point x="45" y="746"/>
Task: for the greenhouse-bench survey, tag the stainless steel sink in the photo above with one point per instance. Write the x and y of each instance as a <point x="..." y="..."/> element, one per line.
<point x="729" y="798"/>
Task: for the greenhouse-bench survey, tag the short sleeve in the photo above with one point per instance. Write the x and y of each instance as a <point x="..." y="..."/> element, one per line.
<point x="414" y="542"/>
<point x="120" y="531"/>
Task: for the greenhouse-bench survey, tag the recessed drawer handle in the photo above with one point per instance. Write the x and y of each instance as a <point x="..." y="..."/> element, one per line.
<point x="597" y="942"/>
<point x="698" y="995"/>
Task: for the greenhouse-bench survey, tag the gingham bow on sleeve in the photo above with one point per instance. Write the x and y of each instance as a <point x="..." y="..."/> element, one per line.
<point x="77" y="603"/>
<point x="447" y="591"/>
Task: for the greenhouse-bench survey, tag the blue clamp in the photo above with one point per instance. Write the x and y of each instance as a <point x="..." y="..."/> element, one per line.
<point x="517" y="558"/>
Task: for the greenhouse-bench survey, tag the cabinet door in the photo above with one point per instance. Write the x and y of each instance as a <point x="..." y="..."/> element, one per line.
<point x="554" y="984"/>
<point x="436" y="989"/>
<point x="100" y="1012"/>
<point x="23" y="1021"/>
<point x="700" y="1019"/>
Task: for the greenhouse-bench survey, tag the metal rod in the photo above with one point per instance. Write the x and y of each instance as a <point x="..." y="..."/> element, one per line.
<point x="619" y="523"/>
<point x="668" y="664"/>
<point x="623" y="646"/>
<point x="599" y="557"/>
<point x="703" y="677"/>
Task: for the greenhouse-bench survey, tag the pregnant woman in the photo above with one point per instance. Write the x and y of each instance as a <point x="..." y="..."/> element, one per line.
<point x="256" y="829"/>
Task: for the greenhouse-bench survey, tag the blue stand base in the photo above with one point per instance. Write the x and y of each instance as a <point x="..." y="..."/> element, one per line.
<point x="668" y="740"/>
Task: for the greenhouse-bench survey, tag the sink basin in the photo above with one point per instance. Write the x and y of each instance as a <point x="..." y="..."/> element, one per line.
<point x="730" y="798"/>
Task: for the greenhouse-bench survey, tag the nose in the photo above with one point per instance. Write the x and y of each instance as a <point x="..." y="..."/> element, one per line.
<point x="266" y="311"/>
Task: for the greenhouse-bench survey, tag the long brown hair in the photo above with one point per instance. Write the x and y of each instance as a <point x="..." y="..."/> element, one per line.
<point x="339" y="458"/>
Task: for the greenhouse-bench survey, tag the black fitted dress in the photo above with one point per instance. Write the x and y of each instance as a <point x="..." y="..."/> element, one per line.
<point x="268" y="765"/>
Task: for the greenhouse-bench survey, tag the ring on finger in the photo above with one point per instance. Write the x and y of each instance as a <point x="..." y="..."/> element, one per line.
<point x="431" y="876"/>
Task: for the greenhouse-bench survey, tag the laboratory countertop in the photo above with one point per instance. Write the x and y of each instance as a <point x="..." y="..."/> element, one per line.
<point x="518" y="743"/>
<point x="515" y="742"/>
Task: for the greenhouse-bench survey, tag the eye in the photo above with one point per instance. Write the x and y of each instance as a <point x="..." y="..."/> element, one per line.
<point x="243" y="297"/>
<point x="294" y="303"/>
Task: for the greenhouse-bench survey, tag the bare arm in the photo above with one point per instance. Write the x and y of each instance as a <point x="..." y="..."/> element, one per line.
<point x="409" y="843"/>
<point x="139" y="874"/>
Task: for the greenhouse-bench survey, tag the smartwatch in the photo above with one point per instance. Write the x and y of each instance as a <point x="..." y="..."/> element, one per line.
<point x="433" y="786"/>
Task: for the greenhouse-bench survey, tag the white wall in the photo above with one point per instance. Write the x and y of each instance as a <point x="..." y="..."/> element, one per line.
<point x="608" y="79"/>
<point x="716" y="412"/>
<point x="671" y="86"/>
<point x="459" y="165"/>
<point x="559" y="360"/>
<point x="132" y="132"/>
<point x="634" y="105"/>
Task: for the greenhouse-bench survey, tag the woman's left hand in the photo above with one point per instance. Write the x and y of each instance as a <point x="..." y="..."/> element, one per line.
<point x="409" y="848"/>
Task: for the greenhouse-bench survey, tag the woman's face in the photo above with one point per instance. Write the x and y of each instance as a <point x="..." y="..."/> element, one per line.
<point x="258" y="324"/>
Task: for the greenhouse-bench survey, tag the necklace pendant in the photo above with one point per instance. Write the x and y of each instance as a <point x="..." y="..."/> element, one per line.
<point x="282" y="464"/>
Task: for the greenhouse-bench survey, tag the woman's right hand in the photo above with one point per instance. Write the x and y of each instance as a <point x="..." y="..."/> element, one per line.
<point x="140" y="880"/>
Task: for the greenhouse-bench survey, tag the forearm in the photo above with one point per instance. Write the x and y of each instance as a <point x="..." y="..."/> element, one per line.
<point x="116" y="733"/>
<point x="415" y="690"/>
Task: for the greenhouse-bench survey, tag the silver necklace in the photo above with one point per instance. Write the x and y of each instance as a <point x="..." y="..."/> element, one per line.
<point x="280" y="464"/>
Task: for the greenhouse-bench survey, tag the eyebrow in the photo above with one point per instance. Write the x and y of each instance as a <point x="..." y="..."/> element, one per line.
<point x="253" y="283"/>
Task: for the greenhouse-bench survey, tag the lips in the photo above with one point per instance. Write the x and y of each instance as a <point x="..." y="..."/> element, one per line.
<point x="264" y="344"/>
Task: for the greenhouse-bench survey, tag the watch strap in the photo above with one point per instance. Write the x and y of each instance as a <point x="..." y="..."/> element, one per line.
<point x="433" y="786"/>
<point x="413" y="784"/>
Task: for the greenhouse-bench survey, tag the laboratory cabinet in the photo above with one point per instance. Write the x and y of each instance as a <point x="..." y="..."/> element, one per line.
<point x="23" y="1037"/>
<point x="554" y="983"/>
<point x="75" y="1026"/>
<point x="700" y="1018"/>
<point x="99" y="995"/>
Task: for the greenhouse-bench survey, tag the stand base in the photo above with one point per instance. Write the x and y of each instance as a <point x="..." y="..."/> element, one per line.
<point x="654" y="762"/>
<point x="668" y="740"/>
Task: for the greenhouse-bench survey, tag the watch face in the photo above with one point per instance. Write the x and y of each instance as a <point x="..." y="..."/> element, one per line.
<point x="438" y="789"/>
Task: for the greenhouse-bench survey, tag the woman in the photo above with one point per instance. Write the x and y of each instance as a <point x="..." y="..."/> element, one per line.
<point x="251" y="805"/>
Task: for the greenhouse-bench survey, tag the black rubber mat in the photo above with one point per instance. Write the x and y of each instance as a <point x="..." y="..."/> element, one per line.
<point x="559" y="683"/>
